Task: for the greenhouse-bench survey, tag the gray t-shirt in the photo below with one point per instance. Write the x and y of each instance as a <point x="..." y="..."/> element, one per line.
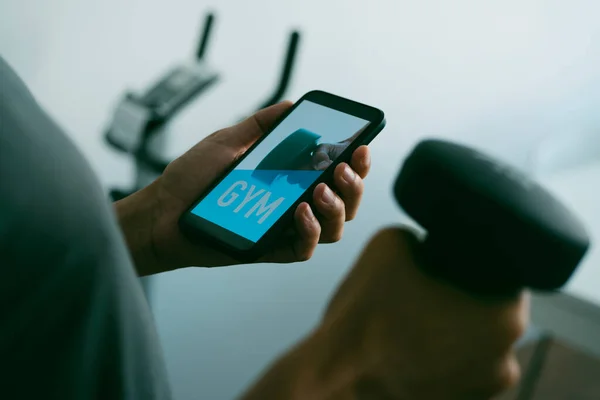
<point x="74" y="322"/>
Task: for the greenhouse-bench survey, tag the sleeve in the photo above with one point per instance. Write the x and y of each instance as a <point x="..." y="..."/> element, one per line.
<point x="74" y="322"/>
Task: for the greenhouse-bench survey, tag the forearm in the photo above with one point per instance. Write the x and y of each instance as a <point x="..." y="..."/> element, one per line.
<point x="308" y="371"/>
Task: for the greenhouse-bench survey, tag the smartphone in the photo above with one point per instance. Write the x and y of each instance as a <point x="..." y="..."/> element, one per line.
<point x="245" y="211"/>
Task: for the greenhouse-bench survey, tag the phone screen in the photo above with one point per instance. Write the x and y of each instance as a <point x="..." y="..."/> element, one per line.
<point x="270" y="179"/>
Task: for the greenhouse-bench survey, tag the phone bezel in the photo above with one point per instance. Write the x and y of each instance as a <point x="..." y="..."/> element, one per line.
<point x="193" y="225"/>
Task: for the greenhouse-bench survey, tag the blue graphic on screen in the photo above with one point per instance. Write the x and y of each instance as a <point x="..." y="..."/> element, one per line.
<point x="279" y="170"/>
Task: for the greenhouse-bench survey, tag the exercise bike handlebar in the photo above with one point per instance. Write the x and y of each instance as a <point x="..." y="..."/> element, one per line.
<point x="206" y="31"/>
<point x="286" y="73"/>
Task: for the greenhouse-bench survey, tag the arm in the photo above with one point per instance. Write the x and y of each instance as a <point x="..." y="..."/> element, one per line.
<point x="313" y="369"/>
<point x="291" y="377"/>
<point x="393" y="332"/>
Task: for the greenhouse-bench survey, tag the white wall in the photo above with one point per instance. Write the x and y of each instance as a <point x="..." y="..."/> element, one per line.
<point x="496" y="74"/>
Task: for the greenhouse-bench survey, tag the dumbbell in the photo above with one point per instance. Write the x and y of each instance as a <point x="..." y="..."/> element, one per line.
<point x="489" y="228"/>
<point x="294" y="152"/>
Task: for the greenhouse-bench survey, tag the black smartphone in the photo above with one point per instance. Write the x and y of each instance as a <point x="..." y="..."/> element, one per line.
<point x="246" y="210"/>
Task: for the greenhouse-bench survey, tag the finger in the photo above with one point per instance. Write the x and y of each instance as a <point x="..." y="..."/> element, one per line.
<point x="309" y="232"/>
<point x="300" y="246"/>
<point x="350" y="186"/>
<point x="501" y="376"/>
<point x="361" y="161"/>
<point x="244" y="134"/>
<point x="513" y="317"/>
<point x="331" y="211"/>
<point x="320" y="158"/>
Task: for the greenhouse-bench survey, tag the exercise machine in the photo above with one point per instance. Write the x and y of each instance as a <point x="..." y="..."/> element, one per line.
<point x="140" y="123"/>
<point x="137" y="117"/>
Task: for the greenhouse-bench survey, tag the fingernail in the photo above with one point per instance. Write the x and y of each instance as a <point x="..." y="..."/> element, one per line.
<point x="367" y="161"/>
<point x="323" y="165"/>
<point x="308" y="214"/>
<point x="348" y="175"/>
<point x="328" y="196"/>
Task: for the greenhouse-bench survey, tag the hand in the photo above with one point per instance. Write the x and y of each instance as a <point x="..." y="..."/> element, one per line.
<point x="149" y="218"/>
<point x="325" y="154"/>
<point x="393" y="332"/>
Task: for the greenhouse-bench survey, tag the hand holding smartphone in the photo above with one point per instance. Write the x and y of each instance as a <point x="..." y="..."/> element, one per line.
<point x="248" y="208"/>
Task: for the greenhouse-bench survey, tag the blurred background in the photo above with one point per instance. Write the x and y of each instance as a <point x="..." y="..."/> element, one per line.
<point x="519" y="79"/>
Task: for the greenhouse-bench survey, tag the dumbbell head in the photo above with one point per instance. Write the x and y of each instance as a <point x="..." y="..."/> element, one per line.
<point x="490" y="229"/>
<point x="291" y="154"/>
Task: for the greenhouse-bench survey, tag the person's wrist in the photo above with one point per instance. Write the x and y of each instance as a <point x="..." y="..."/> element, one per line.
<point x="136" y="215"/>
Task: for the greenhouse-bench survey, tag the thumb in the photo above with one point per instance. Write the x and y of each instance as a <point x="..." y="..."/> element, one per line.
<point x="244" y="134"/>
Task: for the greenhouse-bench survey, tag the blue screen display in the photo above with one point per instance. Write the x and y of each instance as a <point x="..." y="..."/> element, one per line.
<point x="262" y="187"/>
